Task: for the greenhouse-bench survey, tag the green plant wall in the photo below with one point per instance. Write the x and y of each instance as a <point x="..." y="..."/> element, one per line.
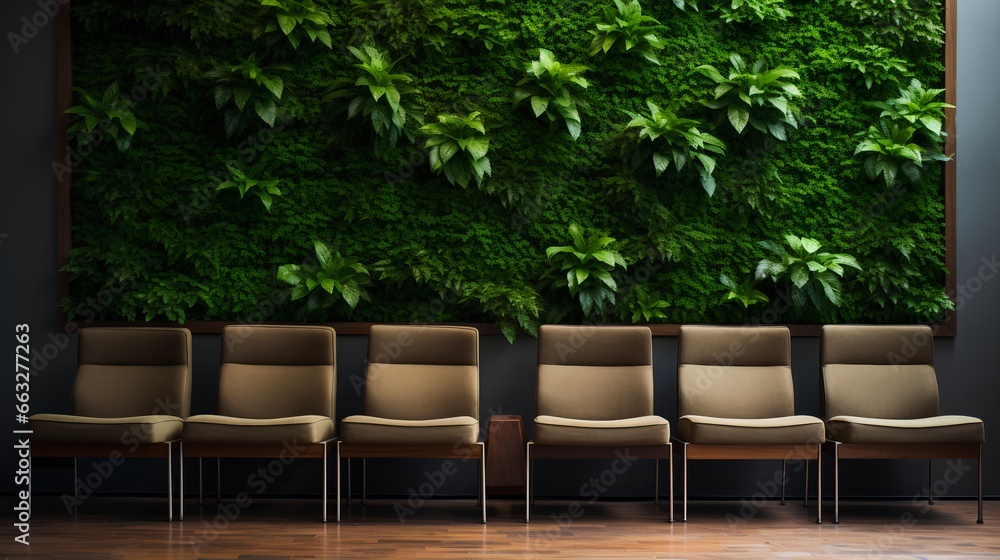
<point x="152" y="219"/>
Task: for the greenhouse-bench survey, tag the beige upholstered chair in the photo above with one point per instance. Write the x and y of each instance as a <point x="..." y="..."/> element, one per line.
<point x="595" y="399"/>
<point x="879" y="397"/>
<point x="132" y="391"/>
<point x="735" y="400"/>
<point x="421" y="399"/>
<point x="277" y="395"/>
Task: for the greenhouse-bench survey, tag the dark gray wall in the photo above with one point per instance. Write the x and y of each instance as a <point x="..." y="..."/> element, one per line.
<point x="967" y="369"/>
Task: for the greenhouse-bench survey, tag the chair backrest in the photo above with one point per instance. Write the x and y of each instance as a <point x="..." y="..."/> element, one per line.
<point x="133" y="371"/>
<point x="735" y="372"/>
<point x="878" y="371"/>
<point x="276" y="371"/>
<point x="594" y="372"/>
<point x="418" y="372"/>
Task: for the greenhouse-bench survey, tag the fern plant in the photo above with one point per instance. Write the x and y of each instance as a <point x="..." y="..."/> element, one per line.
<point x="750" y="11"/>
<point x="588" y="265"/>
<point x="887" y="151"/>
<point x="244" y="183"/>
<point x="326" y="281"/>
<point x="112" y="113"/>
<point x="678" y="140"/>
<point x="457" y="146"/>
<point x="755" y="95"/>
<point x="294" y="20"/>
<point x="550" y="86"/>
<point x="810" y="275"/>
<point x="248" y="86"/>
<point x="385" y="98"/>
<point x="625" y="26"/>
<point x="876" y="65"/>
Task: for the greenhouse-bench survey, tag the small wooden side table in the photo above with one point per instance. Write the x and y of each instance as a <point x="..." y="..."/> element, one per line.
<point x="505" y="444"/>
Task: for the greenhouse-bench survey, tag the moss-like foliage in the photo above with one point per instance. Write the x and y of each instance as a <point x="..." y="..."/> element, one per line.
<point x="152" y="219"/>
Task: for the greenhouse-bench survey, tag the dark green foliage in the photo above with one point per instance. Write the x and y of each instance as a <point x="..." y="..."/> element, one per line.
<point x="111" y="115"/>
<point x="876" y="65"/>
<point x="809" y="275"/>
<point x="552" y="89"/>
<point x="626" y="29"/>
<point x="676" y="140"/>
<point x="379" y="95"/>
<point x="900" y="20"/>
<point x="246" y="89"/>
<point x="293" y="20"/>
<point x="755" y="95"/>
<point x="150" y="228"/>
<point x="325" y="282"/>
<point x="245" y="182"/>
<point x="586" y="268"/>
<point x="457" y="146"/>
<point x="750" y="11"/>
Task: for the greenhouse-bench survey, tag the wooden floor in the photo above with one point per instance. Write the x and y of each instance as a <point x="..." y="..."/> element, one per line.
<point x="130" y="528"/>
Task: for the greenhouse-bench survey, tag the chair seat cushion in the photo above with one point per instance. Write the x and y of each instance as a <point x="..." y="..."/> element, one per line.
<point x="212" y="428"/>
<point x="66" y="428"/>
<point x="390" y="431"/>
<point x="935" y="429"/>
<point x="642" y="430"/>
<point x="783" y="430"/>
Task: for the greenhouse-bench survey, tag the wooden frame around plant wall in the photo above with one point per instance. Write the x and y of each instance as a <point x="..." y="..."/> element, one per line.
<point x="947" y="327"/>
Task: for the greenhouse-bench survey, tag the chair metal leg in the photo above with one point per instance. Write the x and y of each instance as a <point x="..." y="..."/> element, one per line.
<point x="527" y="483"/>
<point x="784" y="478"/>
<point x="684" y="479"/>
<point x="170" y="481"/>
<point x="930" y="481"/>
<point x="532" y="483"/>
<point x="348" y="482"/>
<point x="180" y="469"/>
<point x="482" y="479"/>
<point x="836" y="483"/>
<point x="819" y="484"/>
<point x="218" y="479"/>
<point x="364" y="482"/>
<point x="805" y="501"/>
<point x="980" y="520"/>
<point x="670" y="482"/>
<point x="324" y="480"/>
<point x="201" y="477"/>
<point x="656" y="484"/>
<point x="338" y="481"/>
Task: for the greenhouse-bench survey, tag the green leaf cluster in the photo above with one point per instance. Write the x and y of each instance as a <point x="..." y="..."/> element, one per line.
<point x="750" y="11"/>
<point x="586" y="268"/>
<point x="809" y="274"/>
<point x="876" y="65"/>
<point x="551" y="88"/>
<point x="245" y="86"/>
<point x="294" y="20"/>
<point x="745" y="293"/>
<point x="625" y="26"/>
<point x="385" y="98"/>
<point x="111" y="113"/>
<point x="755" y="95"/>
<point x="457" y="146"/>
<point x="677" y="140"/>
<point x="902" y="21"/>
<point x="245" y="183"/>
<point x="325" y="282"/>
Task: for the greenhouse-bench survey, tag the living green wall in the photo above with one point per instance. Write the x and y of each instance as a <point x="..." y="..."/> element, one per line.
<point x="149" y="221"/>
